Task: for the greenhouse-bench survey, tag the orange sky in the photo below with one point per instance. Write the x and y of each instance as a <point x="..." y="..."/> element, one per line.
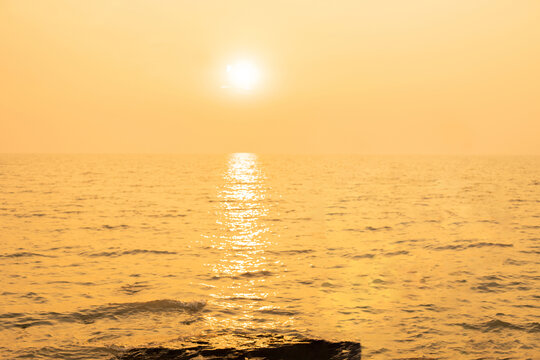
<point x="367" y="77"/>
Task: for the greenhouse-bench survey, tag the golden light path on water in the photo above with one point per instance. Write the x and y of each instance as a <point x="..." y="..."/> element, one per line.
<point x="244" y="269"/>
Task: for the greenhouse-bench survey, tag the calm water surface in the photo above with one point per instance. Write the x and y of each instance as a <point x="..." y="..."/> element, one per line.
<point x="411" y="256"/>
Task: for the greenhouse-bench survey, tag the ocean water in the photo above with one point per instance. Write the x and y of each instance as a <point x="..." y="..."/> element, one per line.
<point x="107" y="256"/>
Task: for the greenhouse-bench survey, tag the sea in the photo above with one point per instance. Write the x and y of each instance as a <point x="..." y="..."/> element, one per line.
<point x="209" y="256"/>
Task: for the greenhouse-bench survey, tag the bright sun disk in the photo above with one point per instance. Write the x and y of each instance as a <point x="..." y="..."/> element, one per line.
<point x="242" y="75"/>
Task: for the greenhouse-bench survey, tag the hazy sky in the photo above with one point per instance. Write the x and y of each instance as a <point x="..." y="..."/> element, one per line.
<point x="352" y="76"/>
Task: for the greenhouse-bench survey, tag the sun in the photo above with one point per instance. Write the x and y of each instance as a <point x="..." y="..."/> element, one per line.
<point x="242" y="75"/>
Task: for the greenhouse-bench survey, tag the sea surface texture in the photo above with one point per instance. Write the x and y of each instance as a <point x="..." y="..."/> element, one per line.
<point x="106" y="256"/>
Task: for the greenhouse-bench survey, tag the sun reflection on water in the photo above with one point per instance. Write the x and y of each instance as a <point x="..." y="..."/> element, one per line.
<point x="243" y="270"/>
<point x="241" y="202"/>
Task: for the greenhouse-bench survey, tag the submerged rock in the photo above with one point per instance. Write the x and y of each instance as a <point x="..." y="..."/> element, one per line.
<point x="305" y="350"/>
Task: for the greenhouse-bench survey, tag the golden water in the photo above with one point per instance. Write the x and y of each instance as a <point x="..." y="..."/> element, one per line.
<point x="411" y="256"/>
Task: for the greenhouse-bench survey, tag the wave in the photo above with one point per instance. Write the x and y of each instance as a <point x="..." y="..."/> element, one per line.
<point x="499" y="325"/>
<point x="277" y="311"/>
<point x="110" y="227"/>
<point x="369" y="228"/>
<point x="106" y="227"/>
<point x="110" y="311"/>
<point x="242" y="298"/>
<point x="131" y="289"/>
<point x="29" y="215"/>
<point x="23" y="254"/>
<point x="473" y="245"/>
<point x="71" y="351"/>
<point x="363" y="256"/>
<point x="129" y="252"/>
<point x="290" y="252"/>
<point x="308" y="349"/>
<point x="166" y="215"/>
<point x="494" y="286"/>
<point x="401" y="252"/>
<point x="484" y="244"/>
<point x="371" y="256"/>
<point x="449" y="247"/>
<point x="248" y="274"/>
<point x="530" y="251"/>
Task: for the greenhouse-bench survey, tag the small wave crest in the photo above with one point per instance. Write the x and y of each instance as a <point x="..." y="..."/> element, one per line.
<point x="247" y="274"/>
<point x="71" y="351"/>
<point x="23" y="254"/>
<point x="251" y="274"/>
<point x="277" y="311"/>
<point x="473" y="245"/>
<point x="499" y="325"/>
<point x="290" y="252"/>
<point x="369" y="228"/>
<point x="363" y="256"/>
<point x="395" y="253"/>
<point x="128" y="252"/>
<point x="110" y="311"/>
